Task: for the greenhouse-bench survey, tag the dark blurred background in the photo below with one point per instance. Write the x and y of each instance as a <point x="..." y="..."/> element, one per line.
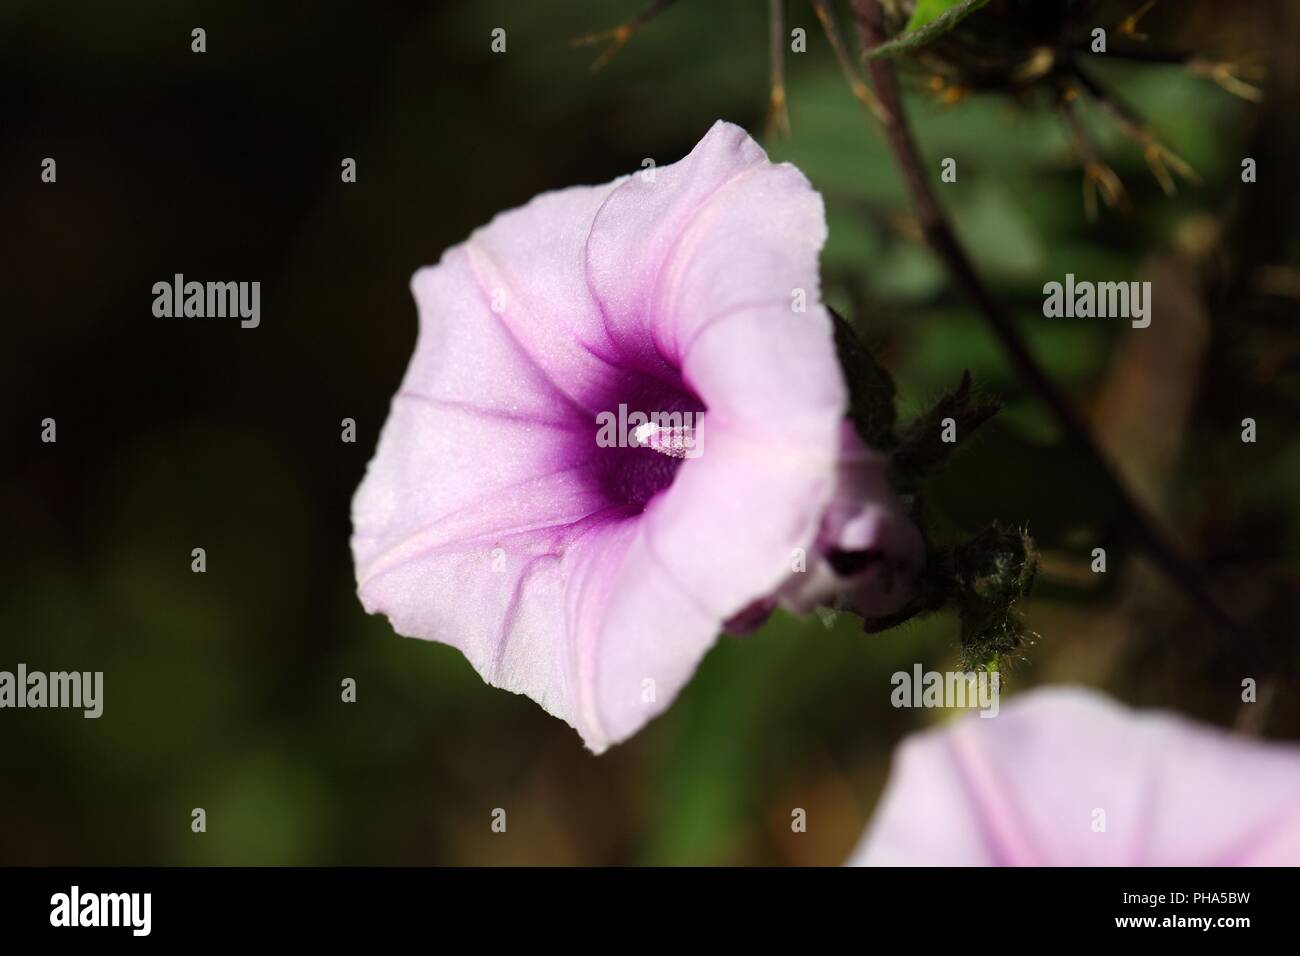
<point x="222" y="690"/>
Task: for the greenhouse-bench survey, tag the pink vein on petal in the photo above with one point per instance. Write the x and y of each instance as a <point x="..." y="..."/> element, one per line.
<point x="995" y="810"/>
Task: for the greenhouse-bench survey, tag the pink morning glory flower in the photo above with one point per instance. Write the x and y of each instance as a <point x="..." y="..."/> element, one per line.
<point x="620" y="430"/>
<point x="1068" y="777"/>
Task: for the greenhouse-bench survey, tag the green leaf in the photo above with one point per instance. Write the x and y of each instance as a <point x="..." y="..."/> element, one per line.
<point x="930" y="20"/>
<point x="871" y="389"/>
<point x="927" y="10"/>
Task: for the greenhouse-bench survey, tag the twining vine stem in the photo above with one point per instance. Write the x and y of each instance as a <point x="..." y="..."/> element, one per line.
<point x="934" y="224"/>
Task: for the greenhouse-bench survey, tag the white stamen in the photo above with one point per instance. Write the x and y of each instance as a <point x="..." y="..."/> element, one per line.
<point x="673" y="442"/>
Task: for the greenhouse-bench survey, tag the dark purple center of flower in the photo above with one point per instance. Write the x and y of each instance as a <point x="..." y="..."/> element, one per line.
<point x="642" y="461"/>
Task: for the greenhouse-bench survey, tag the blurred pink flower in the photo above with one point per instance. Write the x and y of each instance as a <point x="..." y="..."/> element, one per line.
<point x="593" y="578"/>
<point x="1068" y="777"/>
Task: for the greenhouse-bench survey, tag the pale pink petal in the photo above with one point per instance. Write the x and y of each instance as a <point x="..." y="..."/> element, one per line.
<point x="1030" y="787"/>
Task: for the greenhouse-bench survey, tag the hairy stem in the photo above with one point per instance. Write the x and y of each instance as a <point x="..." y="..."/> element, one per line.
<point x="778" y="114"/>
